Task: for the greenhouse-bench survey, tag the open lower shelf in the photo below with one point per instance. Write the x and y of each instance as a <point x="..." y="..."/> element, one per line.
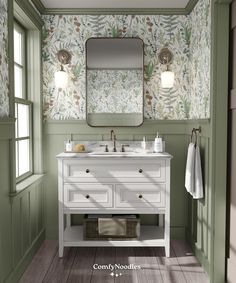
<point x="152" y="236"/>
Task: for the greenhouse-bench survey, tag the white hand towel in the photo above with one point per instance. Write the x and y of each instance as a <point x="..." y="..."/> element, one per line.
<point x="190" y="166"/>
<point x="198" y="185"/>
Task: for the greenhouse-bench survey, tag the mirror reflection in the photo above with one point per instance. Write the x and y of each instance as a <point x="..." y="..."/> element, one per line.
<point x="114" y="77"/>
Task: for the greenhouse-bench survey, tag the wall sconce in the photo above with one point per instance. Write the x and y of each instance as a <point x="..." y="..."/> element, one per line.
<point x="61" y="77"/>
<point x="167" y="77"/>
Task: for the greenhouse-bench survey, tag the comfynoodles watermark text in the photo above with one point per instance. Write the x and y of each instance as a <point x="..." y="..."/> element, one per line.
<point x="116" y="266"/>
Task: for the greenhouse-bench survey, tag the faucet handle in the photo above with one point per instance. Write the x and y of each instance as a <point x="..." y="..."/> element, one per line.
<point x="106" y="147"/>
<point x="123" y="147"/>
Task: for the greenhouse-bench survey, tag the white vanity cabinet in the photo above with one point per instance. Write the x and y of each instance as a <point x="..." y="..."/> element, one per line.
<point x="137" y="184"/>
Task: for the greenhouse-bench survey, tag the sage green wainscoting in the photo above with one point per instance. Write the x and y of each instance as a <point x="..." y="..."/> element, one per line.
<point x="6" y="251"/>
<point x="21" y="214"/>
<point x="177" y="135"/>
<point x="199" y="224"/>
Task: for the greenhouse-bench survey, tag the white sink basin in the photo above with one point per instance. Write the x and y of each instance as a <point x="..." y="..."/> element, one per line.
<point x="111" y="153"/>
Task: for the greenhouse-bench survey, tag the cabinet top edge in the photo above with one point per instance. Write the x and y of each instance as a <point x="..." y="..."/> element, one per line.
<point x="151" y="155"/>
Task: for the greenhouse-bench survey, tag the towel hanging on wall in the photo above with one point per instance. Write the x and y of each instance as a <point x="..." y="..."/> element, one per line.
<point x="189" y="173"/>
<point x="198" y="185"/>
<point x="193" y="172"/>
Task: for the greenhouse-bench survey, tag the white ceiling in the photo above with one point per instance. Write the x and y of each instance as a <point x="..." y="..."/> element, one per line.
<point x="115" y="4"/>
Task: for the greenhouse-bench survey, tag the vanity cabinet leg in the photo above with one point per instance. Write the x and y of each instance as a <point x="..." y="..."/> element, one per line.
<point x="167" y="210"/>
<point x="61" y="226"/>
<point x="61" y="250"/>
<point x="167" y="249"/>
<point x="167" y="234"/>
<point x="61" y="233"/>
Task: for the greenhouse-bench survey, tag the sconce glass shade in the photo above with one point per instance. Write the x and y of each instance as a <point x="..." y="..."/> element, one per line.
<point x="61" y="79"/>
<point x="167" y="79"/>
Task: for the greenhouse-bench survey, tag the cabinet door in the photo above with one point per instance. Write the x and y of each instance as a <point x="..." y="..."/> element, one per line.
<point x="88" y="195"/>
<point x="140" y="196"/>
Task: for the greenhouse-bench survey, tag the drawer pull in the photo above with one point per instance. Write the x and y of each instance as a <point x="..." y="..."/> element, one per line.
<point x="140" y="196"/>
<point x="140" y="170"/>
<point x="87" y="171"/>
<point x="87" y="196"/>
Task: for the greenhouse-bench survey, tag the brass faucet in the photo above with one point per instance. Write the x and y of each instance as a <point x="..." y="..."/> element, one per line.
<point x="113" y="138"/>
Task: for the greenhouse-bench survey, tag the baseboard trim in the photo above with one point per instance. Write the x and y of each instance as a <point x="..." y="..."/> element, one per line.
<point x="24" y="262"/>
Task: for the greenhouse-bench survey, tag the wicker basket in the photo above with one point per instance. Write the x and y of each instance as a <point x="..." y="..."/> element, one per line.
<point x="132" y="228"/>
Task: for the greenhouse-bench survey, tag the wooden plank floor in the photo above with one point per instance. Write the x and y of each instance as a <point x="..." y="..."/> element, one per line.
<point x="148" y="265"/>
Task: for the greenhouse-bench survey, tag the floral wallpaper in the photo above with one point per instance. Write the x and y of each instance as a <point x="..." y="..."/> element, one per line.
<point x="4" y="100"/>
<point x="114" y="91"/>
<point x="200" y="55"/>
<point x="189" y="98"/>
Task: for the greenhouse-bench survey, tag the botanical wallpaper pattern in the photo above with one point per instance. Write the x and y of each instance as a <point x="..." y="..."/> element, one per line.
<point x="4" y="100"/>
<point x="188" y="99"/>
<point x="114" y="91"/>
<point x="200" y="46"/>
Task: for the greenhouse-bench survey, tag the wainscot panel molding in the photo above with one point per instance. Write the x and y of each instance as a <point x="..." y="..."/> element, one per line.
<point x="21" y="216"/>
<point x="6" y="251"/>
<point x="218" y="143"/>
<point x="26" y="260"/>
<point x="7" y="128"/>
<point x="149" y="126"/>
<point x="200" y="228"/>
<point x="22" y="225"/>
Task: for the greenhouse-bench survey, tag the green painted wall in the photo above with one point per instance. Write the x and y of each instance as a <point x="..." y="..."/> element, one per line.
<point x="219" y="125"/>
<point x="21" y="216"/>
<point x="199" y="223"/>
<point x="5" y="210"/>
<point x="202" y="222"/>
<point x="22" y="227"/>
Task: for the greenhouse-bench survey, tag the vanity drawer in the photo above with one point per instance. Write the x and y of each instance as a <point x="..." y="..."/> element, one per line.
<point x="88" y="195"/>
<point x="118" y="169"/>
<point x="140" y="195"/>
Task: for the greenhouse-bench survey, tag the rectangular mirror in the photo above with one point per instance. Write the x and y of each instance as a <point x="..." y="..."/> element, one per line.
<point x="114" y="82"/>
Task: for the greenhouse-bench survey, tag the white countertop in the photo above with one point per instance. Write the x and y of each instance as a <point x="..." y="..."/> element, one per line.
<point x="67" y="155"/>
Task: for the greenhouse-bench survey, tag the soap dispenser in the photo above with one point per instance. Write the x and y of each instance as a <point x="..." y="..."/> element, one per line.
<point x="143" y="144"/>
<point x="69" y="145"/>
<point x="157" y="147"/>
